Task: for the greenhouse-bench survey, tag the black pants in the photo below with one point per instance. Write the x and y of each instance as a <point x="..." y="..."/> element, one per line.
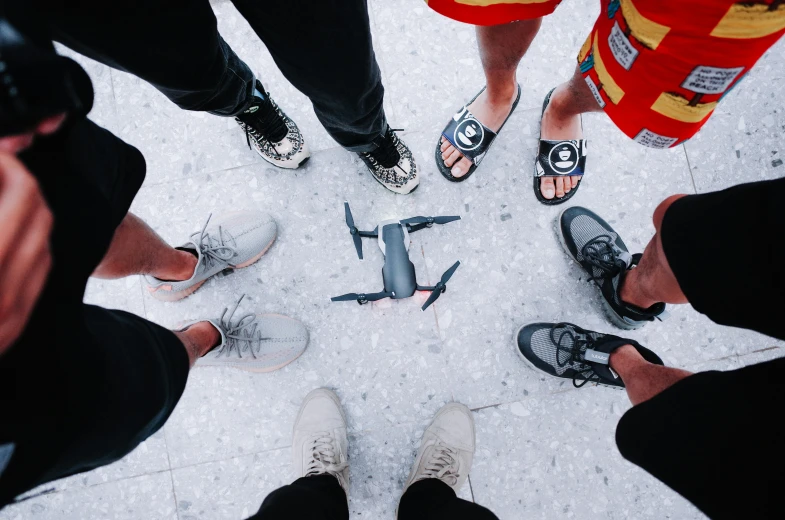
<point x="322" y="47"/>
<point x="322" y="498"/>
<point x="715" y="437"/>
<point x="82" y="386"/>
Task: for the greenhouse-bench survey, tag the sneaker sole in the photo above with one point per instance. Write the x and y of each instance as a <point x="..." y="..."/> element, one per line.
<point x="393" y="189"/>
<point x="531" y="366"/>
<point x="612" y="315"/>
<point x="168" y="296"/>
<point x="290" y="166"/>
<point x="257" y="370"/>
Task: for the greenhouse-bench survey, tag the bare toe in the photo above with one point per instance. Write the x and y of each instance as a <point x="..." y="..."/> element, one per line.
<point x="461" y="168"/>
<point x="546" y="187"/>
<point x="451" y="158"/>
<point x="575" y="180"/>
<point x="559" y="181"/>
<point x="445" y="144"/>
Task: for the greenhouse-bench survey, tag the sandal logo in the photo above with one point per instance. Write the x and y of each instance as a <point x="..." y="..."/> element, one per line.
<point x="563" y="157"/>
<point x="469" y="134"/>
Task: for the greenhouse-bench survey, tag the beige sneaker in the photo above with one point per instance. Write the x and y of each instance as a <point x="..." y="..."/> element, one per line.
<point x="447" y="448"/>
<point x="320" y="444"/>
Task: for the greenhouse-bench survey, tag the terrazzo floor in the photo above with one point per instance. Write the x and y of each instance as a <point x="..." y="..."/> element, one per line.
<point x="545" y="450"/>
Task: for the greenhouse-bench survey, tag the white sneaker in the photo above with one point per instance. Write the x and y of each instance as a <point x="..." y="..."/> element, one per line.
<point x="447" y="448"/>
<point x="319" y="444"/>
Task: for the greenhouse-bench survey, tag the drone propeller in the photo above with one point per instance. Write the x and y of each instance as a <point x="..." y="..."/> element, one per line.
<point x="358" y="241"/>
<point x="362" y="298"/>
<point x="440" y="287"/>
<point x="430" y="220"/>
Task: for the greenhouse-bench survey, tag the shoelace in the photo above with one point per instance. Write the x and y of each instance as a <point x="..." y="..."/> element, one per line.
<point x="266" y="123"/>
<point x="242" y="335"/>
<point x="443" y="464"/>
<point x="214" y="249"/>
<point x="579" y="344"/>
<point x="601" y="253"/>
<point x="387" y="153"/>
<point x="324" y="456"/>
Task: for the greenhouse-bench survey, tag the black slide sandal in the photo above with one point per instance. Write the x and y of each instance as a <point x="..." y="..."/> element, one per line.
<point x="470" y="137"/>
<point x="570" y="158"/>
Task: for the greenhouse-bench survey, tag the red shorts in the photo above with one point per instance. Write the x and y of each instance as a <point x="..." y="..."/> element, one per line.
<point x="657" y="67"/>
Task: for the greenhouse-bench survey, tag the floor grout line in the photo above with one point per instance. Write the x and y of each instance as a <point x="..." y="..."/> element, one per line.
<point x="689" y="167"/>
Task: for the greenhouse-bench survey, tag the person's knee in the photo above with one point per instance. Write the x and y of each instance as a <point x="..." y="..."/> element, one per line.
<point x="659" y="212"/>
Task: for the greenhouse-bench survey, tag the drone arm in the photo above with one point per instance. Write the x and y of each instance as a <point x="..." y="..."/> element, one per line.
<point x="369" y="234"/>
<point x="423" y="288"/>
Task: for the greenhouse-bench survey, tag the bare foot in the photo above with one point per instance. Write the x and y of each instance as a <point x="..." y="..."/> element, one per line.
<point x="490" y="109"/>
<point x="557" y="127"/>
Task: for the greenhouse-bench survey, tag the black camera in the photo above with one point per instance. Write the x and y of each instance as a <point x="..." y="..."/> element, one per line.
<point x="36" y="83"/>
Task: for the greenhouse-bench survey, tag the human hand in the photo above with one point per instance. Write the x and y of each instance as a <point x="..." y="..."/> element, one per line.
<point x="25" y="256"/>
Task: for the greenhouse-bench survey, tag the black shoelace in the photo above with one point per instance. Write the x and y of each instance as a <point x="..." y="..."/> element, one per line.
<point x="579" y="344"/>
<point x="266" y="122"/>
<point x="601" y="254"/>
<point x="387" y="153"/>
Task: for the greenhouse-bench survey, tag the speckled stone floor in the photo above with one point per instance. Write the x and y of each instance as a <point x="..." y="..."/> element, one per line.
<point x="545" y="450"/>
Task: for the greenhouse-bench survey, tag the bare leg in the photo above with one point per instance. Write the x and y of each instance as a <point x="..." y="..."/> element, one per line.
<point x="199" y="339"/>
<point x="642" y="379"/>
<point x="561" y="120"/>
<point x="137" y="249"/>
<point x="653" y="280"/>
<point x="501" y="49"/>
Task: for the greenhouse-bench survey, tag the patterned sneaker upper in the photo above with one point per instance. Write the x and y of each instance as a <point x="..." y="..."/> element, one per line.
<point x="232" y="241"/>
<point x="271" y="132"/>
<point x="447" y="448"/>
<point x="594" y="244"/>
<point x="320" y="443"/>
<point x="568" y="351"/>
<point x="260" y="343"/>
<point x="392" y="164"/>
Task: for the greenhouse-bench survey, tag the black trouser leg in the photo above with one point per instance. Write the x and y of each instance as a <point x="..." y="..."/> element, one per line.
<point x="432" y="499"/>
<point x="172" y="44"/>
<point x="308" y="498"/>
<point x="324" y="49"/>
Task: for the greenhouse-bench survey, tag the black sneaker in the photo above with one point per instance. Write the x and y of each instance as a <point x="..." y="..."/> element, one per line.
<point x="274" y="136"/>
<point x="567" y="351"/>
<point x="593" y="243"/>
<point x="392" y="164"/>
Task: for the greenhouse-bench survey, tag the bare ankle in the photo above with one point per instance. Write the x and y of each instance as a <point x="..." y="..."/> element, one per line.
<point x="502" y="93"/>
<point x="181" y="267"/>
<point x="626" y="359"/>
<point x="199" y="339"/>
<point x="630" y="291"/>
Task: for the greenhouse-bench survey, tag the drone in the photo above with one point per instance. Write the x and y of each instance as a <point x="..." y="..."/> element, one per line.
<point x="398" y="271"/>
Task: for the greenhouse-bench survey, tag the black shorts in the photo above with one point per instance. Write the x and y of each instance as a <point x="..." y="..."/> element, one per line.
<point x="727" y="250"/>
<point x="83" y="386"/>
<point x="716" y="439"/>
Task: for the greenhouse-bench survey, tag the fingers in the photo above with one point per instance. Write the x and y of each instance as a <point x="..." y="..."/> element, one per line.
<point x="20" y="198"/>
<point x="22" y="263"/>
<point x="461" y="168"/>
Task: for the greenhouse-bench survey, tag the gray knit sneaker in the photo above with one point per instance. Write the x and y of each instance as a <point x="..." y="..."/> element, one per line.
<point x="447" y="448"/>
<point x="233" y="241"/>
<point x="255" y="342"/>
<point x="319" y="443"/>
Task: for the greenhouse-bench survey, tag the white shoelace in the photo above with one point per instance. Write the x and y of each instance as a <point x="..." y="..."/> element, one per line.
<point x="324" y="456"/>
<point x="443" y="464"/>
